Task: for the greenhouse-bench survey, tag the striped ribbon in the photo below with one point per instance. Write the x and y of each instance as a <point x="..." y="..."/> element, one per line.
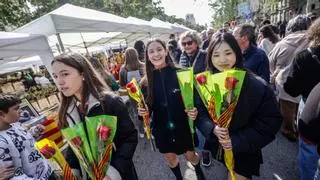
<point x="67" y="173"/>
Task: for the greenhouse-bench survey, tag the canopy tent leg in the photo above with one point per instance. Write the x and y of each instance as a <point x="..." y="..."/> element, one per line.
<point x="84" y="44"/>
<point x="60" y="43"/>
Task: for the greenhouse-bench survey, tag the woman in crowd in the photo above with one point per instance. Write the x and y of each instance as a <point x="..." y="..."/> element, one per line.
<point x="132" y="68"/>
<point x="256" y="118"/>
<point x="106" y="76"/>
<point x="280" y="59"/>
<point x="192" y="55"/>
<point x="170" y="119"/>
<point x="84" y="93"/>
<point x="140" y="47"/>
<point x="303" y="77"/>
<point x="268" y="39"/>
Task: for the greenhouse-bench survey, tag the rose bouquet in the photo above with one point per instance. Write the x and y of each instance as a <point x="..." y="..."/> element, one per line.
<point x="135" y="93"/>
<point x="49" y="150"/>
<point x="92" y="143"/>
<point x="220" y="93"/>
<point x="185" y="79"/>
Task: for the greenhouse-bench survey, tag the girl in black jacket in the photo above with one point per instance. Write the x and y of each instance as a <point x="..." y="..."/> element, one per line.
<point x="256" y="118"/>
<point x="170" y="119"/>
<point x="84" y="93"/>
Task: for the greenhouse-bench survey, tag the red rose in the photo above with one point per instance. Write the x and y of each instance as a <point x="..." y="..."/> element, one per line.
<point x="47" y="122"/>
<point x="231" y="83"/>
<point x="202" y="79"/>
<point x="129" y="85"/>
<point x="77" y="141"/>
<point x="47" y="151"/>
<point x="104" y="132"/>
<point x="133" y="89"/>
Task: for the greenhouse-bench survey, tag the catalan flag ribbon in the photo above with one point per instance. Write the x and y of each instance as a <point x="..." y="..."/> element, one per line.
<point x="92" y="141"/>
<point x="220" y="93"/>
<point x="50" y="150"/>
<point x="135" y="93"/>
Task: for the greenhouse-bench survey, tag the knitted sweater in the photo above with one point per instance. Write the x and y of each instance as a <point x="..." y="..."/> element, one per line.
<point x="17" y="149"/>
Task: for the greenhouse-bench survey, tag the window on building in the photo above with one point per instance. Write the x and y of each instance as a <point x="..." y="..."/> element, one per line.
<point x="313" y="6"/>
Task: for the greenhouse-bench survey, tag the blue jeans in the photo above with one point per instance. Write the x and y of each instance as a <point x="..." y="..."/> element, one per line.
<point x="201" y="139"/>
<point x="308" y="160"/>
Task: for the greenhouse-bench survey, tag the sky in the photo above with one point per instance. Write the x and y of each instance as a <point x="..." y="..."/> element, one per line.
<point x="180" y="8"/>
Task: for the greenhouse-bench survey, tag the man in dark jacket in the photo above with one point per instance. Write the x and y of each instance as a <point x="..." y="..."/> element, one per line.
<point x="255" y="59"/>
<point x="209" y="33"/>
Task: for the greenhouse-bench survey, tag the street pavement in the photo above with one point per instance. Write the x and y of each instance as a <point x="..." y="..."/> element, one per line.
<point x="280" y="163"/>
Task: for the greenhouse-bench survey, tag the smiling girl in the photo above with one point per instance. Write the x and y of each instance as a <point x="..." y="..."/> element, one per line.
<point x="84" y="93"/>
<point x="170" y="119"/>
<point x="256" y="118"/>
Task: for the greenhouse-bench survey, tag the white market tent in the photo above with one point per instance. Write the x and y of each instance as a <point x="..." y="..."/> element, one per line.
<point x="70" y="19"/>
<point x="73" y="19"/>
<point x="13" y="46"/>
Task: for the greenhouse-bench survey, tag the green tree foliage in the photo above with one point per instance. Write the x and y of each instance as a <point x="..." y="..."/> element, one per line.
<point x="13" y="13"/>
<point x="224" y="11"/>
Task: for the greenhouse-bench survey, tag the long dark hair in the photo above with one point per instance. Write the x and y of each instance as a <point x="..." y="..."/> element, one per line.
<point x="92" y="84"/>
<point x="216" y="40"/>
<point x="268" y="33"/>
<point x="150" y="69"/>
<point x="100" y="69"/>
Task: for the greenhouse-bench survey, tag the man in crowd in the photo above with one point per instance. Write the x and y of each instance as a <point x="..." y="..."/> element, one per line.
<point x="209" y="33"/>
<point x="255" y="59"/>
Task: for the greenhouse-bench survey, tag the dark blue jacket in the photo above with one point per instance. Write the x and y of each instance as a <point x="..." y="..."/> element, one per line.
<point x="186" y="61"/>
<point x="257" y="61"/>
<point x="254" y="124"/>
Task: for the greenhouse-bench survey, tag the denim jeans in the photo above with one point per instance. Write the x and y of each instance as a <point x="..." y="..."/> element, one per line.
<point x="308" y="160"/>
<point x="317" y="175"/>
<point x="201" y="139"/>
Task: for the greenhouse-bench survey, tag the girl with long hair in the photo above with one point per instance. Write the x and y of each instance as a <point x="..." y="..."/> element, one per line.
<point x="83" y="93"/>
<point x="170" y="119"/>
<point x="256" y="118"/>
<point x="132" y="68"/>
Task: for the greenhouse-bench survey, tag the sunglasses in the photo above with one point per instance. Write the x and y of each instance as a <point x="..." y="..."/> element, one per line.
<point x="189" y="43"/>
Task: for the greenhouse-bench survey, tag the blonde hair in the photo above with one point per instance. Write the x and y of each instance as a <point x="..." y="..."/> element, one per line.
<point x="191" y="34"/>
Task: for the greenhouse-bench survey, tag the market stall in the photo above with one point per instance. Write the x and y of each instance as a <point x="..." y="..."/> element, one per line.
<point x="15" y="71"/>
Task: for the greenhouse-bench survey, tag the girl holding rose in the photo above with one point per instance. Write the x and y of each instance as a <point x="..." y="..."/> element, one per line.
<point x="256" y="118"/>
<point x="84" y="93"/>
<point x="170" y="119"/>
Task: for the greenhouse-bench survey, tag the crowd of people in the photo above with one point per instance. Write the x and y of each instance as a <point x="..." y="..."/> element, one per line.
<point x="281" y="75"/>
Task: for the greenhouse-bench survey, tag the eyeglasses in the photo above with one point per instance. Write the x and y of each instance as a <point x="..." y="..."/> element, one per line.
<point x="189" y="43"/>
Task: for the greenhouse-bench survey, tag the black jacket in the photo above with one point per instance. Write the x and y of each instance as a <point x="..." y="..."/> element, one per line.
<point x="304" y="74"/>
<point x="254" y="124"/>
<point x="125" y="139"/>
<point x="309" y="122"/>
<point x="186" y="61"/>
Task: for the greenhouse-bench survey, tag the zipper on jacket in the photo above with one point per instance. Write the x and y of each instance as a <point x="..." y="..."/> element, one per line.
<point x="170" y="124"/>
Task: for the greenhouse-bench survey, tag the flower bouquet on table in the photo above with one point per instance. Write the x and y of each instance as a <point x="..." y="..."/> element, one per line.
<point x="185" y="79"/>
<point x="135" y="93"/>
<point x="50" y="151"/>
<point x="220" y="93"/>
<point x="92" y="143"/>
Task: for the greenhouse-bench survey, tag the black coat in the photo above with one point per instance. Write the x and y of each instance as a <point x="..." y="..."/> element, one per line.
<point x="186" y="61"/>
<point x="170" y="121"/>
<point x="305" y="74"/>
<point x="125" y="139"/>
<point x="254" y="124"/>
